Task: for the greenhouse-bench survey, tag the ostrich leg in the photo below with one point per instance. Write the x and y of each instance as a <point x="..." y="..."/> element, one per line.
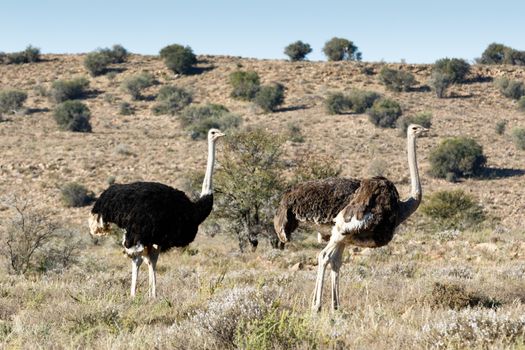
<point x="135" y="265"/>
<point x="325" y="256"/>
<point x="151" y="260"/>
<point x="335" y="264"/>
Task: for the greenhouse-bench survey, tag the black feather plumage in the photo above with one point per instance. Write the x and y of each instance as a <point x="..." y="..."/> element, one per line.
<point x="153" y="213"/>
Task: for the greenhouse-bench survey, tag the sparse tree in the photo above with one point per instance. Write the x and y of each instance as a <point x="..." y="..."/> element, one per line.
<point x="297" y="51"/>
<point x="339" y="49"/>
<point x="179" y="59"/>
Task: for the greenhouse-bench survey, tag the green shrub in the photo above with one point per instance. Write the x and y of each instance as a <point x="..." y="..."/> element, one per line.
<point x="117" y="54"/>
<point x="178" y="58"/>
<point x="269" y="97"/>
<point x="339" y="49"/>
<point x="455" y="69"/>
<point x="396" y="80"/>
<point x="297" y="51"/>
<point x="73" y="116"/>
<point x="97" y="63"/>
<point x="294" y="133"/>
<point x="135" y="84"/>
<point x="361" y="100"/>
<point x="453" y="209"/>
<point x="199" y="119"/>
<point x="245" y="85"/>
<point x="500" y="127"/>
<point x="423" y="118"/>
<point x="171" y="99"/>
<point x="510" y="88"/>
<point x="439" y="82"/>
<point x="75" y="195"/>
<point x="337" y="103"/>
<point x="384" y="113"/>
<point x="518" y="136"/>
<point x="63" y="90"/>
<point x="11" y="101"/>
<point x="521" y="104"/>
<point x="29" y="55"/>
<point x="494" y="54"/>
<point x="125" y="108"/>
<point x="459" y="156"/>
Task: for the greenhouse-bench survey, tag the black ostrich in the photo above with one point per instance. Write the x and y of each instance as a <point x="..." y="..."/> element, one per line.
<point x="155" y="217"/>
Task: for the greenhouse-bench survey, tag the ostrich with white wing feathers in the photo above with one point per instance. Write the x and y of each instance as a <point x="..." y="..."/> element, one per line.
<point x="155" y="217"/>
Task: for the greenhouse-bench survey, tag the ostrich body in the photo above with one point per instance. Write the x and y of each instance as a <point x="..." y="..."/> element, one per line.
<point x="155" y="217"/>
<point x="369" y="219"/>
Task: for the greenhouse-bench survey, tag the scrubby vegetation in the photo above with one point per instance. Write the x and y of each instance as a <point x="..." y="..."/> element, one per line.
<point x="396" y="80"/>
<point x="179" y="59"/>
<point x="269" y="97"/>
<point x="73" y="116"/>
<point x="513" y="89"/>
<point x="339" y="49"/>
<point x="30" y="55"/>
<point x="12" y="101"/>
<point x="136" y="84"/>
<point x="337" y="103"/>
<point x="500" y="54"/>
<point x="297" y="51"/>
<point x="63" y="90"/>
<point x="199" y="119"/>
<point x="171" y="99"/>
<point x="75" y="195"/>
<point x="245" y="85"/>
<point x="361" y="100"/>
<point x="452" y="209"/>
<point x="456" y="157"/>
<point x="454" y="69"/>
<point x="424" y="119"/>
<point x="97" y="62"/>
<point x="384" y="113"/>
<point x="518" y="136"/>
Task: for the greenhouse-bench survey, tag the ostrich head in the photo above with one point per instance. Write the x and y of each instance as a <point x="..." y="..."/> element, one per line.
<point x="416" y="130"/>
<point x="214" y="135"/>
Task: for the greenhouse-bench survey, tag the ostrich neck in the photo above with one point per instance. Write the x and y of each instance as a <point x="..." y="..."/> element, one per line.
<point x="410" y="205"/>
<point x="207" y="186"/>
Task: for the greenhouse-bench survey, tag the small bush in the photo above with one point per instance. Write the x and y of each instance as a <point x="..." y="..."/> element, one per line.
<point x="500" y="127"/>
<point x="521" y="104"/>
<point x="11" y="101"/>
<point x="494" y="54"/>
<point x="361" y="100"/>
<point x="339" y="49"/>
<point x="199" y="119"/>
<point x="125" y="108"/>
<point x="518" y="136"/>
<point x="245" y="85"/>
<point x="63" y="90"/>
<point x="73" y="116"/>
<point x="117" y="54"/>
<point x="455" y="69"/>
<point x="294" y="133"/>
<point x="510" y="88"/>
<point x="297" y="51"/>
<point x="396" y="80"/>
<point x="384" y="113"/>
<point x="135" y="84"/>
<point x="29" y="55"/>
<point x="460" y="156"/>
<point x="453" y="209"/>
<point x="97" y="63"/>
<point x="75" y="195"/>
<point x="337" y="103"/>
<point x="171" y="99"/>
<point x="269" y="97"/>
<point x="439" y="82"/>
<point x="424" y="119"/>
<point x="178" y="58"/>
<point x="456" y="296"/>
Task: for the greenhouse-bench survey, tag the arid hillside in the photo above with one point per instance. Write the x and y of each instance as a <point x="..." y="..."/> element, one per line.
<point x="37" y="158"/>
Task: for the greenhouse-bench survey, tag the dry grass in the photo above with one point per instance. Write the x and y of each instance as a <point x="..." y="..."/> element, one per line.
<point x="389" y="295"/>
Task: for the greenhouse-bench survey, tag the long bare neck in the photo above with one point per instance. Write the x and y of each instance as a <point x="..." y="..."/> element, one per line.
<point x="411" y="204"/>
<point x="207" y="185"/>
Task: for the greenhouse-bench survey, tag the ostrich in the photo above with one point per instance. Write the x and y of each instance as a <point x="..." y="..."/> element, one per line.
<point x="155" y="217"/>
<point x="366" y="213"/>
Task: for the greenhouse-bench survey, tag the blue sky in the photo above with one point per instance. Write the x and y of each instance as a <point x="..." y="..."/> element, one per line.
<point x="416" y="31"/>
